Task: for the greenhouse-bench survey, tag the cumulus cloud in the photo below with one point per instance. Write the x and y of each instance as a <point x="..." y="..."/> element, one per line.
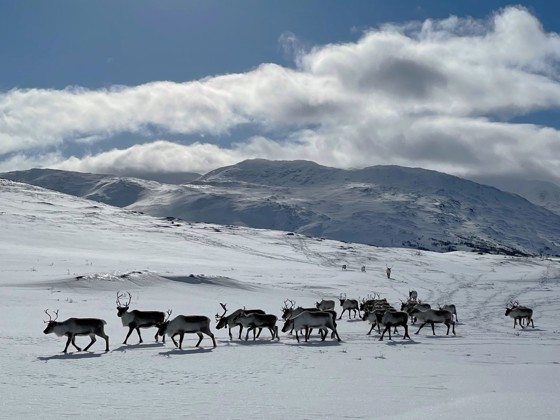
<point x="436" y="94"/>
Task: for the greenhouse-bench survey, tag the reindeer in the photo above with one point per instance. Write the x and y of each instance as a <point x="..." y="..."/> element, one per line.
<point x="433" y="316"/>
<point x="409" y="305"/>
<point x="395" y="319"/>
<point x="413" y="295"/>
<point x="77" y="326"/>
<point x="349" y="305"/>
<point x="451" y="308"/>
<point x="231" y="320"/>
<point x="363" y="268"/>
<point x="291" y="311"/>
<point x="260" y="321"/>
<point x="186" y="324"/>
<point x="344" y="267"/>
<point x="373" y="302"/>
<point x="308" y="320"/>
<point x="518" y="313"/>
<point x="135" y="319"/>
<point x="325" y="305"/>
<point x="388" y="271"/>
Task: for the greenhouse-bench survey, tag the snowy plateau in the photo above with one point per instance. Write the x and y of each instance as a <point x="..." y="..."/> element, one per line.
<point x="66" y="253"/>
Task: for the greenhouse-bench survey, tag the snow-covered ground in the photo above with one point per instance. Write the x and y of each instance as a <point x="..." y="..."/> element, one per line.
<point x="62" y="252"/>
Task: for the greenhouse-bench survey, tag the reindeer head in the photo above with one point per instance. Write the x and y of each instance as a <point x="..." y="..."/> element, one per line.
<point x="123" y="307"/>
<point x="287" y="310"/>
<point x="51" y="322"/>
<point x="342" y="298"/>
<point x="221" y="319"/>
<point x="511" y="306"/>
<point x="162" y="328"/>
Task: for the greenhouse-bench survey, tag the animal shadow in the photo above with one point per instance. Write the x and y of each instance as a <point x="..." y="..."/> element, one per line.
<point x="70" y="356"/>
<point x="177" y="352"/>
<point x="126" y="347"/>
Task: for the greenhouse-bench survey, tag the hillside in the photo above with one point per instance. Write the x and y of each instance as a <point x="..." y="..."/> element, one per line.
<point x="72" y="255"/>
<point x="386" y="206"/>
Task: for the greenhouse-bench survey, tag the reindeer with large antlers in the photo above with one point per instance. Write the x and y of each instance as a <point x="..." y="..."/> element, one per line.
<point x="232" y="320"/>
<point x="76" y="326"/>
<point x="135" y="319"/>
<point x="518" y="313"/>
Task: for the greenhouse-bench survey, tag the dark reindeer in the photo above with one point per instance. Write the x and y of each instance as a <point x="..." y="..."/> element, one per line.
<point x="135" y="319"/>
<point x="186" y="324"/>
<point x="76" y="326"/>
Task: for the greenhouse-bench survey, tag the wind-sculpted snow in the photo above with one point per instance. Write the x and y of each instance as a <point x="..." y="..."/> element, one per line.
<point x="388" y="206"/>
<point x="64" y="253"/>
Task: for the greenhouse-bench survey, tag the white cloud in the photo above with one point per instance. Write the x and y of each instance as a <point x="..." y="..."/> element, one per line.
<point x="421" y="94"/>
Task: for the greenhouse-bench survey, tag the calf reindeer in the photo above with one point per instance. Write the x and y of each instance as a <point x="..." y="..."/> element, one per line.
<point x="135" y="320"/>
<point x="186" y="324"/>
<point x="349" y="305"/>
<point x="76" y="326"/>
<point x="518" y="313"/>
<point x="252" y="321"/>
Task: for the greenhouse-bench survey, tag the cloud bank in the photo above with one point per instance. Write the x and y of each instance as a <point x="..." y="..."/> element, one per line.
<point x="438" y="94"/>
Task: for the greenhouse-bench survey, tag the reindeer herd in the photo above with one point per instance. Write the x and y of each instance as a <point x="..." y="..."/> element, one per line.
<point x="299" y="320"/>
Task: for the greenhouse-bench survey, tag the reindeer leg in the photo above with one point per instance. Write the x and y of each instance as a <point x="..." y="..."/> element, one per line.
<point x="336" y="334"/>
<point x="93" y="340"/>
<point x="199" y="338"/>
<point x="381" y="338"/>
<point x="67" y="343"/>
<point x="156" y="337"/>
<point x="139" y="336"/>
<point x="130" y="329"/>
<point x="230" y="336"/>
<point x="297" y="336"/>
<point x="74" y="343"/>
<point x="106" y="337"/>
<point x="371" y="329"/>
<point x="181" y="336"/>
<point x="405" y="331"/>
<point x="240" y="330"/>
<point x="420" y="328"/>
<point x="433" y="329"/>
<point x="173" y="339"/>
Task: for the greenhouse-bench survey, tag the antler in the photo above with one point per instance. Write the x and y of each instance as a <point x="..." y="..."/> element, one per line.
<point x="291" y="302"/>
<point x="168" y="315"/>
<point x="50" y="317"/>
<point x="121" y="295"/>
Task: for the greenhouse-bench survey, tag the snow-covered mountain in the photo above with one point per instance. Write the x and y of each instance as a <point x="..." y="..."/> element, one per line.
<point x="388" y="206"/>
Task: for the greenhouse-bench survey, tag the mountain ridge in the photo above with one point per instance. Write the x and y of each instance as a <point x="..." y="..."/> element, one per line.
<point x="389" y="206"/>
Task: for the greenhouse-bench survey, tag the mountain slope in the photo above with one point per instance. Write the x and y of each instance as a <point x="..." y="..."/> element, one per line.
<point x="382" y="205"/>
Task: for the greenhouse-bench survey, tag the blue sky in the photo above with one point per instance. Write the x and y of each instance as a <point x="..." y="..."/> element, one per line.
<point x="465" y="87"/>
